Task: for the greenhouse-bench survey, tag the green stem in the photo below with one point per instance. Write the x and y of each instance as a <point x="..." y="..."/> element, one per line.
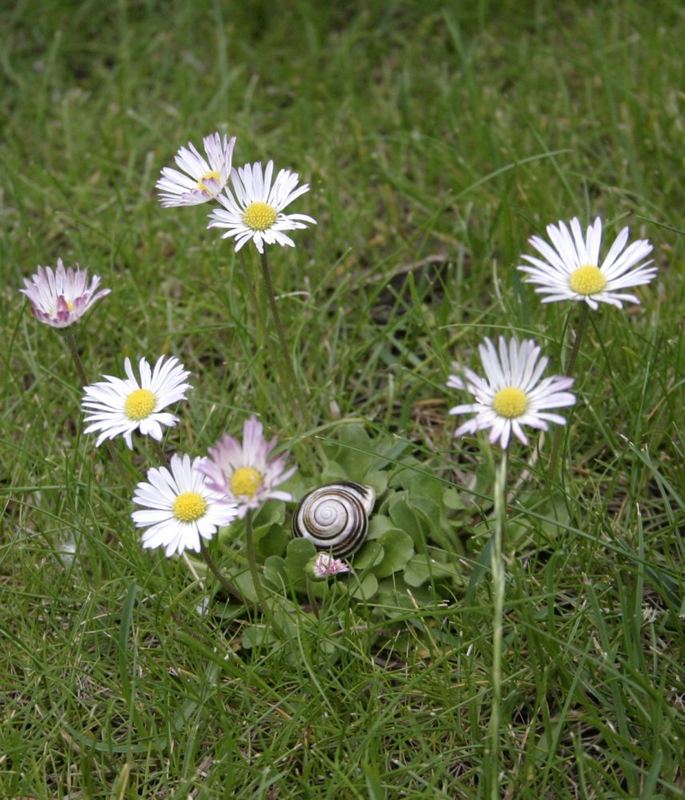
<point x="223" y="580"/>
<point x="252" y="561"/>
<point x="582" y="325"/>
<point x="285" y="361"/>
<point x="70" y="339"/>
<point x="254" y="299"/>
<point x="498" y="589"/>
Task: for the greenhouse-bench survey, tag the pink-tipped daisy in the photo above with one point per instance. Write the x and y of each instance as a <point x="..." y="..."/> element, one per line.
<point x="570" y="267"/>
<point x="202" y="179"/>
<point x="512" y="393"/>
<point x="178" y="508"/>
<point x="61" y="297"/>
<point x="245" y="473"/>
<point x="118" y="407"/>
<point x="254" y="210"/>
<point x="324" y="565"/>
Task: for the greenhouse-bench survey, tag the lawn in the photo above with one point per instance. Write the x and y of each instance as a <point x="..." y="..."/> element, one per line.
<point x="437" y="139"/>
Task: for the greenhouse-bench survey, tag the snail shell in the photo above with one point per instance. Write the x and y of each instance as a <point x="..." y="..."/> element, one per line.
<point x="335" y="517"/>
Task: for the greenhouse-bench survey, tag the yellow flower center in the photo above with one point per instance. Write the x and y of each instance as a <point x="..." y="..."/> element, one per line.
<point x="510" y="402"/>
<point x="259" y="216"/>
<point x="208" y="176"/>
<point x="70" y="304"/>
<point x="246" y="481"/>
<point x="140" y="404"/>
<point x="189" y="506"/>
<point x="587" y="280"/>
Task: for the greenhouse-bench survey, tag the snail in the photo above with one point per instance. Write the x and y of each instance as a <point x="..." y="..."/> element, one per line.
<point x="335" y="517"/>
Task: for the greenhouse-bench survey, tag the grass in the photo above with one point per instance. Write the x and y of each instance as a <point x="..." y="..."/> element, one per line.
<point x="436" y="140"/>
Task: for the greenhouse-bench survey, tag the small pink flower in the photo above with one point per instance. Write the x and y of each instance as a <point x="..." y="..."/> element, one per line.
<point x="61" y="297"/>
<point x="325" y="565"/>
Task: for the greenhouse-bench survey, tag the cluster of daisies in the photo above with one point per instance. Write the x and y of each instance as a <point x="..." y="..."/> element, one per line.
<point x="183" y="506"/>
<point x="187" y="503"/>
<point x="513" y="394"/>
<point x="251" y="205"/>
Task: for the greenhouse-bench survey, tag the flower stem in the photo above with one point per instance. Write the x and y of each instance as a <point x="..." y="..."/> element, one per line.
<point x="254" y="299"/>
<point x="223" y="580"/>
<point x="73" y="349"/>
<point x="252" y="560"/>
<point x="498" y="588"/>
<point x="582" y="325"/>
<point x="284" y="360"/>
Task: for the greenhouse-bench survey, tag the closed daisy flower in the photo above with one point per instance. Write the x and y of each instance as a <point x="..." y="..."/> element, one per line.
<point x="570" y="268"/>
<point x="245" y="473"/>
<point x="202" y="178"/>
<point x="512" y="394"/>
<point x="178" y="509"/>
<point x="255" y="208"/>
<point x="325" y="565"/>
<point x="117" y="407"/>
<point x="62" y="296"/>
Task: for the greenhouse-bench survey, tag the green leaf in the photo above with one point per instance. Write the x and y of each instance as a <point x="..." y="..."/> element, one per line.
<point x="268" y="514"/>
<point x="422" y="484"/>
<point x="370" y="555"/>
<point x="423" y="567"/>
<point x="453" y="500"/>
<point x="273" y="541"/>
<point x="299" y="552"/>
<point x="255" y="636"/>
<point x="405" y="518"/>
<point x="377" y="480"/>
<point x="378" y="525"/>
<point x="331" y="473"/>
<point x="355" y="452"/>
<point x="275" y="573"/>
<point x="243" y="581"/>
<point x="398" y="548"/>
<point x="366" y="588"/>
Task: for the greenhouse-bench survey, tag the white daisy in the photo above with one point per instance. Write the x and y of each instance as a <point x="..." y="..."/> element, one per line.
<point x="61" y="297"/>
<point x="204" y="178"/>
<point x="244" y="473"/>
<point x="511" y="395"/>
<point x="571" y="271"/>
<point x="254" y="211"/>
<point x="117" y="407"/>
<point x="179" y="508"/>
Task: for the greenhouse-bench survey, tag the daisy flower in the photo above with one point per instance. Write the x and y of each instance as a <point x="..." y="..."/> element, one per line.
<point x="570" y="270"/>
<point x="117" y="407"/>
<point x="244" y="473"/>
<point x="324" y="565"/>
<point x="203" y="178"/>
<point x="61" y="297"/>
<point x="178" y="508"/>
<point x="512" y="394"/>
<point x="254" y="209"/>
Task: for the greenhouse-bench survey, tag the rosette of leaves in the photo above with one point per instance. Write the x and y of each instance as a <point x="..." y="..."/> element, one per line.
<point x="411" y="556"/>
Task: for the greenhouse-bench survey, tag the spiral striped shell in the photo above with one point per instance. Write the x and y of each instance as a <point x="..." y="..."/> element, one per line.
<point x="335" y="517"/>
